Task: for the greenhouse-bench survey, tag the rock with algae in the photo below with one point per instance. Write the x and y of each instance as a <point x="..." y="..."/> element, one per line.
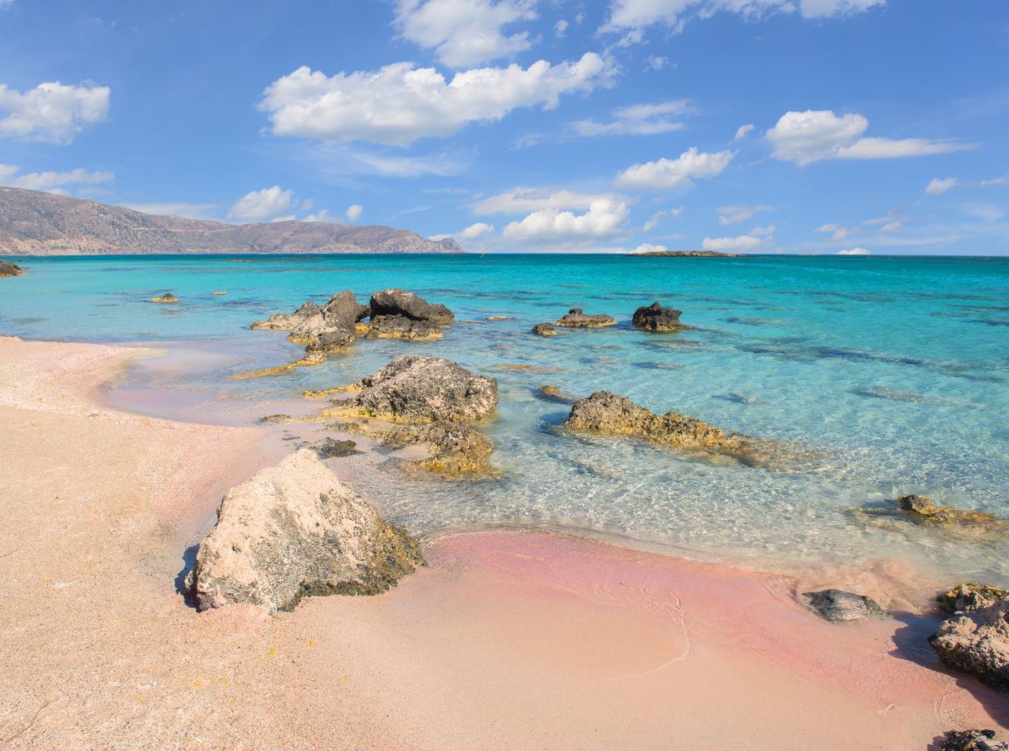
<point x="168" y="297"/>
<point x="976" y="640"/>
<point x="294" y="530"/>
<point x="577" y="319"/>
<point x="11" y="269"/>
<point x="658" y="319"/>
<point x="923" y="510"/>
<point x="838" y="606"/>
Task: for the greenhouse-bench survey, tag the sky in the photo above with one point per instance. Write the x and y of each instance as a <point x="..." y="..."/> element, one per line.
<point x="753" y="126"/>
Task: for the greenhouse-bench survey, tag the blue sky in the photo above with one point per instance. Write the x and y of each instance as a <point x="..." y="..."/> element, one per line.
<point x="794" y="126"/>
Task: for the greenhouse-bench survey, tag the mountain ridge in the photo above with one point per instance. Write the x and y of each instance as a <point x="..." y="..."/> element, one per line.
<point x="34" y="223"/>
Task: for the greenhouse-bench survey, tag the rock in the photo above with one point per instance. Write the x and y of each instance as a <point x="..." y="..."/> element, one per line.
<point x="278" y="419"/>
<point x="457" y="451"/>
<point x="924" y="510"/>
<point x="398" y="302"/>
<point x="575" y="318"/>
<point x="977" y="642"/>
<point x="11" y="269"/>
<point x="218" y="293"/>
<point x="656" y="318"/>
<point x="401" y="327"/>
<point x="332" y="449"/>
<point x="838" y="606"/>
<point x="422" y="390"/>
<point x="282" y="322"/>
<point x="968" y="597"/>
<point x="609" y="414"/>
<point x="554" y="395"/>
<point x="168" y="297"/>
<point x="294" y="530"/>
<point x="973" y="740"/>
<point x="544" y="329"/>
<point x="343" y="310"/>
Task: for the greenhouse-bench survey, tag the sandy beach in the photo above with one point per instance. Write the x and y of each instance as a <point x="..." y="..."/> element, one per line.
<point x="505" y="640"/>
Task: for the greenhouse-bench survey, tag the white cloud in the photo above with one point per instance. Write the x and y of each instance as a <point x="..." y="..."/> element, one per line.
<point x="354" y="212"/>
<point x="6" y="4"/>
<point x="767" y="231"/>
<point x="742" y="242"/>
<point x="51" y="112"/>
<point x="561" y="28"/>
<point x="743" y="131"/>
<point x="524" y="200"/>
<point x="605" y="218"/>
<point x="188" y="210"/>
<point x="338" y="159"/>
<point x="732" y="214"/>
<point x="639" y="119"/>
<point x="891" y="227"/>
<point x="649" y="248"/>
<point x="836" y="231"/>
<point x="986" y="212"/>
<point x="322" y="215"/>
<point x="52" y="182"/>
<point x="657" y="63"/>
<point x="465" y="32"/>
<point x="637" y="14"/>
<point x="658" y="216"/>
<point x="1004" y="180"/>
<point x="854" y="252"/>
<point x="939" y="186"/>
<point x="399" y="103"/>
<point x="476" y="230"/>
<point x="665" y="174"/>
<point x="266" y="205"/>
<point x="814" y="135"/>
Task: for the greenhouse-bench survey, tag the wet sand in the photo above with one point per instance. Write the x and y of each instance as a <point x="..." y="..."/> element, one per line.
<point x="506" y="640"/>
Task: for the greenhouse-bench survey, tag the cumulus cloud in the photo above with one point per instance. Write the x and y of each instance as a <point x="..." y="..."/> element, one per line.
<point x="399" y="103"/>
<point x="524" y="200"/>
<point x="637" y="14"/>
<point x="665" y="174"/>
<point x="51" y="112"/>
<point x="815" y="135"/>
<point x="605" y="218"/>
<point x="52" y="182"/>
<point x="741" y="242"/>
<point x="743" y="131"/>
<point x="854" y="252"/>
<point x="638" y="120"/>
<point x="939" y="186"/>
<point x="266" y="205"/>
<point x="354" y="212"/>
<point x="732" y="214"/>
<point x="836" y="231"/>
<point x="465" y="32"/>
<point x="476" y="230"/>
<point x="650" y="248"/>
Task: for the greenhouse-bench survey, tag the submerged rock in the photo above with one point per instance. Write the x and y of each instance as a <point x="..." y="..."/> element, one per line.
<point x="838" y="606"/>
<point x="967" y="597"/>
<point x="332" y="449"/>
<point x="168" y="297"/>
<point x="11" y="269"/>
<point x="554" y="395"/>
<point x="294" y="530"/>
<point x="544" y="329"/>
<point x="421" y="390"/>
<point x="610" y="414"/>
<point x="576" y="319"/>
<point x="973" y="740"/>
<point x="977" y="642"/>
<point x="398" y="302"/>
<point x="656" y="318"/>
<point x="457" y="451"/>
<point x="923" y="510"/>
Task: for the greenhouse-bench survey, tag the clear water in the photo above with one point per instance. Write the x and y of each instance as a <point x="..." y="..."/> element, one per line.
<point x="897" y="369"/>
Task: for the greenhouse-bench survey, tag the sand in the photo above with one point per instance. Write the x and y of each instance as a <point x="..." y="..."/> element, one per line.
<point x="506" y="640"/>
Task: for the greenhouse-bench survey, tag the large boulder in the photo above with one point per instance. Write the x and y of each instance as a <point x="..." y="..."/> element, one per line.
<point x="398" y="302"/>
<point x="656" y="318"/>
<point x="576" y="319"/>
<point x="977" y="641"/>
<point x="344" y="311"/>
<point x="322" y="330"/>
<point x="838" y="606"/>
<point x="421" y="390"/>
<point x="967" y="597"/>
<point x="609" y="414"/>
<point x="294" y="530"/>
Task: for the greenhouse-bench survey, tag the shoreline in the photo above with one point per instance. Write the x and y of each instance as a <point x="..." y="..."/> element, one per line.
<point x="507" y="639"/>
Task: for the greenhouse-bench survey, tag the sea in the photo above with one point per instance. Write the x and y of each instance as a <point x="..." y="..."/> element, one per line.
<point x="893" y="372"/>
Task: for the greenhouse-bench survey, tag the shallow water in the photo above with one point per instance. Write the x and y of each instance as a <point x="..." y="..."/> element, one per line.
<point x="896" y="370"/>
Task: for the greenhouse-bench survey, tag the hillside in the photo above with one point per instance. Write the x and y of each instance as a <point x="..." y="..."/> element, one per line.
<point x="38" y="224"/>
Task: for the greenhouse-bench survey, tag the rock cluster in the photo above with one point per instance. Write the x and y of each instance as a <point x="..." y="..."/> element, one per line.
<point x="838" y="606"/>
<point x="11" y="269"/>
<point x="322" y="329"/>
<point x="398" y="314"/>
<point x="294" y="530"/>
<point x="610" y="414"/>
<point x="656" y="318"/>
<point x="975" y="638"/>
<point x="973" y="740"/>
<point x="576" y="319"/>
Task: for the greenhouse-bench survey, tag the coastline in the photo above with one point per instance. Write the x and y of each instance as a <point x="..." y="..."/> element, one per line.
<point x="506" y="639"/>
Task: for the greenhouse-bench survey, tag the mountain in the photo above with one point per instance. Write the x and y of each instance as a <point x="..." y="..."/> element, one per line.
<point x="41" y="224"/>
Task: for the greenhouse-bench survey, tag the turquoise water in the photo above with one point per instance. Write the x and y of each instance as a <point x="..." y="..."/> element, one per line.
<point x="895" y="369"/>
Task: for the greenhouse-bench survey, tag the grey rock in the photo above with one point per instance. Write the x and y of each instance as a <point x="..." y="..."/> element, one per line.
<point x="424" y="389"/>
<point x="294" y="530"/>
<point x="977" y="642"/>
<point x="973" y="740"/>
<point x="575" y="318"/>
<point x="332" y="449"/>
<point x="838" y="606"/>
<point x="288" y="322"/>
<point x="343" y="310"/>
<point x="656" y="318"/>
<point x="401" y="327"/>
<point x="398" y="302"/>
<point x="544" y="329"/>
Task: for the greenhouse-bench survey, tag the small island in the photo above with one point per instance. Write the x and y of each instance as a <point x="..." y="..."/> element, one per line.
<point x="10" y="269"/>
<point x="684" y="254"/>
